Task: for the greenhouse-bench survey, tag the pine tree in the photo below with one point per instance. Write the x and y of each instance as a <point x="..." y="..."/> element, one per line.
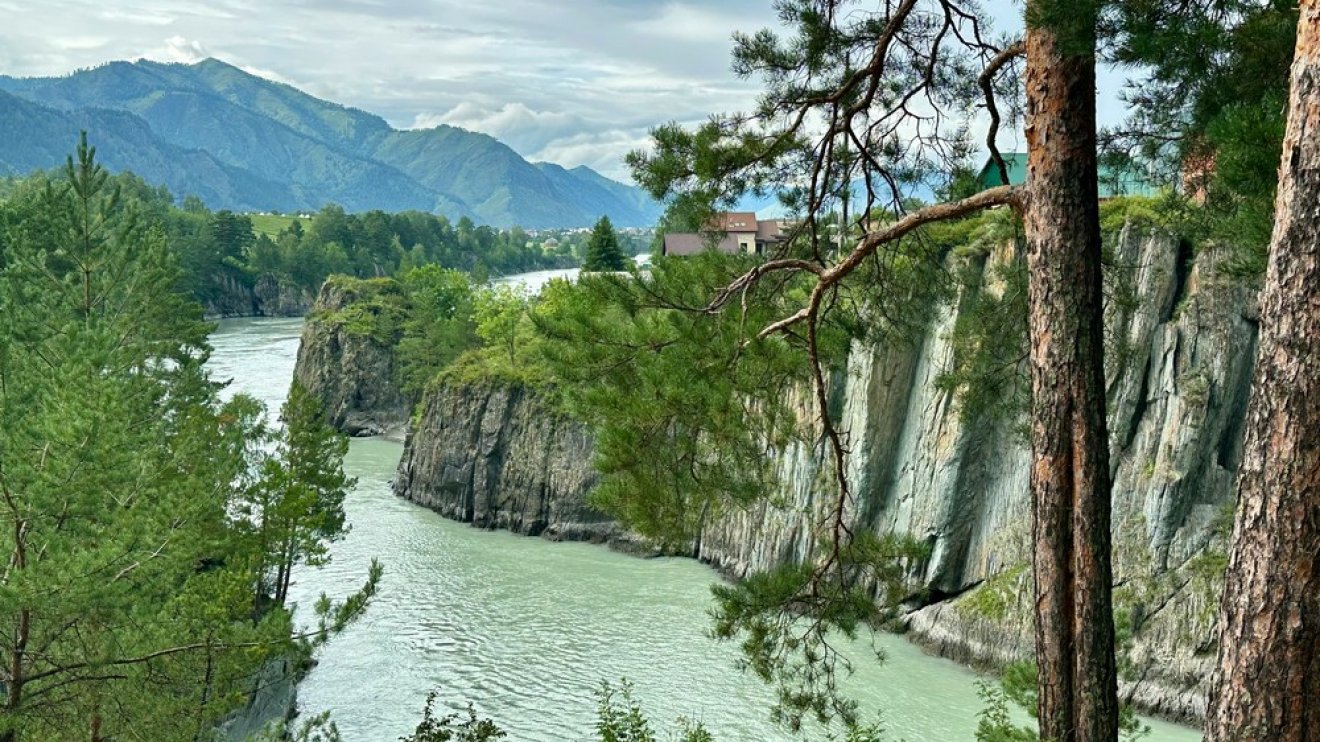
<point x="603" y="251"/>
<point x="1268" y="685"/>
<point x="299" y="499"/>
<point x="124" y="600"/>
<point x="835" y="110"/>
<point x="1070" y="480"/>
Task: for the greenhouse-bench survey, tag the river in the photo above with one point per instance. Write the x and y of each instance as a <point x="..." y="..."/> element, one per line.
<point x="528" y="629"/>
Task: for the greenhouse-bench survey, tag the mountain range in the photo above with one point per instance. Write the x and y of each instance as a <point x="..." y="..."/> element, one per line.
<point x="242" y="142"/>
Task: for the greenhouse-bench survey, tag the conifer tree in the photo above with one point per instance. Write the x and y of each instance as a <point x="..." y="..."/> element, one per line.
<point x="880" y="97"/>
<point x="127" y="602"/>
<point x="1268" y="683"/>
<point x="118" y="605"/>
<point x="603" y="251"/>
<point x="299" y="499"/>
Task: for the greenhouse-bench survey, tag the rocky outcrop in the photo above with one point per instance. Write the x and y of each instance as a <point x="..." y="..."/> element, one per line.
<point x="272" y="701"/>
<point x="1183" y="341"/>
<point x="277" y="297"/>
<point x="268" y="297"/>
<point x="346" y="362"/>
<point x="497" y="455"/>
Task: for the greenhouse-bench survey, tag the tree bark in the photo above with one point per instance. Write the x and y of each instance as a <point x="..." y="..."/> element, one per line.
<point x="1070" y="483"/>
<point x="15" y="675"/>
<point x="1268" y="681"/>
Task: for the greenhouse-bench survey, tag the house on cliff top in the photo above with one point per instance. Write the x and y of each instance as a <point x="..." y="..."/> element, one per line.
<point x="731" y="232"/>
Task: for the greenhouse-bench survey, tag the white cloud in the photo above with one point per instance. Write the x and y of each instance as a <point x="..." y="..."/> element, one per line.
<point x="602" y="151"/>
<point x="516" y="124"/>
<point x="177" y="49"/>
<point x="574" y="83"/>
<point x="79" y="43"/>
<point x="135" y="16"/>
<point x="689" y="23"/>
<point x="267" y="74"/>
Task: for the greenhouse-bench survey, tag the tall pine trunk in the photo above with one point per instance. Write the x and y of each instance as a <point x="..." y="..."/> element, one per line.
<point x="1070" y="484"/>
<point x="1268" y="682"/>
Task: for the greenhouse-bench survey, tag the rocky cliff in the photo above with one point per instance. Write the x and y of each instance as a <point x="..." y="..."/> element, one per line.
<point x="1183" y="341"/>
<point x="346" y="358"/>
<point x="497" y="455"/>
<point x="268" y="297"/>
<point x="1182" y="345"/>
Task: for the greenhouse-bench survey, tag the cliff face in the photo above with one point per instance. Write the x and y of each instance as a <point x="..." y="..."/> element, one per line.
<point x="350" y="368"/>
<point x="269" y="297"/>
<point x="497" y="456"/>
<point x="1177" y="388"/>
<point x="1183" y="343"/>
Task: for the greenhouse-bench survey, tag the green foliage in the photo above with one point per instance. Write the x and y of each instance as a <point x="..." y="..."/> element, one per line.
<point x="375" y="307"/>
<point x="995" y="722"/>
<point x="668" y="388"/>
<point x="619" y="718"/>
<point x="498" y="312"/>
<point x="449" y="728"/>
<point x="790" y="618"/>
<point x="298" y="501"/>
<point x="438" y="327"/>
<point x="377" y="244"/>
<point x="1167" y="213"/>
<point x="1241" y="204"/>
<point x="994" y="597"/>
<point x="1018" y="686"/>
<point x="127" y="596"/>
<point x="1213" y="101"/>
<point x="603" y="251"/>
<point x="222" y="255"/>
<point x="989" y="340"/>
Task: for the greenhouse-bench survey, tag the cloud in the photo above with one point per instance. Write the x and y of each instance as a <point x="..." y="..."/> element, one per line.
<point x="574" y="83"/>
<point x="271" y="75"/>
<point x="517" y="125"/>
<point x="602" y="151"/>
<point x="177" y="49"/>
<point x="79" y="43"/>
<point x="688" y="23"/>
<point x="135" y="16"/>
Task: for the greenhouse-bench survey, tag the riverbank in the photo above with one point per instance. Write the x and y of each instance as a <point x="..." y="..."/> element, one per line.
<point x="527" y="628"/>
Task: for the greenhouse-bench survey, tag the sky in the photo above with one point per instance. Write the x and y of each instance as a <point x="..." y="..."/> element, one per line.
<point x="577" y="82"/>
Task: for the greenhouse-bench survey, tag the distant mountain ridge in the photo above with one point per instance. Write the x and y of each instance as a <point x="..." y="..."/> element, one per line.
<point x="243" y="142"/>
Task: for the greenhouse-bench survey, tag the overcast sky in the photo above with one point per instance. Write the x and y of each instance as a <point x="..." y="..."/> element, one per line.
<point x="569" y="81"/>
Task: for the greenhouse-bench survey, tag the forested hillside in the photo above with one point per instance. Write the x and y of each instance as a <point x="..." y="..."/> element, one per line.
<point x="234" y="270"/>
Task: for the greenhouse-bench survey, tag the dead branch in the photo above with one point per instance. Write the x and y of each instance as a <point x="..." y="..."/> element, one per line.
<point x="987" y="83"/>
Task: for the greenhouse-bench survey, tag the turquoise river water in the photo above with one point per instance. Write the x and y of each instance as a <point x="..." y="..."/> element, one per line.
<point x="528" y="629"/>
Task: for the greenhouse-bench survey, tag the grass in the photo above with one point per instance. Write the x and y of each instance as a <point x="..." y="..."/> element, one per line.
<point x="272" y="224"/>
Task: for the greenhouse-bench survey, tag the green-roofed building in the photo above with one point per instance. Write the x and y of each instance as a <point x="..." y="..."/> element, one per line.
<point x="1112" y="182"/>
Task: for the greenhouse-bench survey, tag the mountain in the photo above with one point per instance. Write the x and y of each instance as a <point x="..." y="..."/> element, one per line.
<point x="38" y="137"/>
<point x="243" y="142"/>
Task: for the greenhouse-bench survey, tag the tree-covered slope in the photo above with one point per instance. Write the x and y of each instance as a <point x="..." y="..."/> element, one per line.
<point x="599" y="195"/>
<point x="38" y="137"/>
<point x="311" y="151"/>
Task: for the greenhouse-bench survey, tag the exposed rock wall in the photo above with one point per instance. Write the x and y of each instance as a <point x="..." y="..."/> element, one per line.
<point x="273" y="700"/>
<point x="1183" y="343"/>
<point x="268" y="297"/>
<point x="1178" y="384"/>
<point x="497" y="456"/>
<point x="351" y="370"/>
